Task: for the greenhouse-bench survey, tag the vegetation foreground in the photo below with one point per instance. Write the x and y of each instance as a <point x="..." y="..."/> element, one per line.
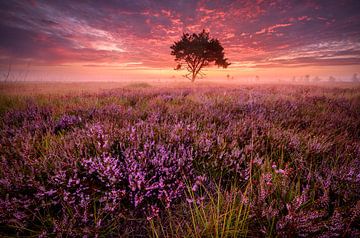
<point x="186" y="162"/>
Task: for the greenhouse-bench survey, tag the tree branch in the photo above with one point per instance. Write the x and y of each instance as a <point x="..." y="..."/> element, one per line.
<point x="200" y="67"/>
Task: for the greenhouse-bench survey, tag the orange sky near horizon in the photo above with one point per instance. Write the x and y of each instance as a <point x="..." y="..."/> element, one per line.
<point x="126" y="40"/>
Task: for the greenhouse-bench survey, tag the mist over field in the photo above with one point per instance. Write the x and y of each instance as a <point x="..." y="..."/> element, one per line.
<point x="180" y="118"/>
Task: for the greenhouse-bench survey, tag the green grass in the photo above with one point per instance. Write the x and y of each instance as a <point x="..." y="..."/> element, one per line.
<point x="221" y="213"/>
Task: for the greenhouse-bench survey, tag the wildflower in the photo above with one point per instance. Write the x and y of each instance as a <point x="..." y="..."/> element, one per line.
<point x="280" y="171"/>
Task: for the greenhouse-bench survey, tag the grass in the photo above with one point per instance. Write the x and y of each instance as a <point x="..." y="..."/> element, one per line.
<point x="216" y="213"/>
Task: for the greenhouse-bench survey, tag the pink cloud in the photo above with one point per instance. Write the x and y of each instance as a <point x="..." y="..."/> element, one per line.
<point x="272" y="29"/>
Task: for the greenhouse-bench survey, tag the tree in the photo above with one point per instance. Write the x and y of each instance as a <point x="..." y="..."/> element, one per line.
<point x="197" y="51"/>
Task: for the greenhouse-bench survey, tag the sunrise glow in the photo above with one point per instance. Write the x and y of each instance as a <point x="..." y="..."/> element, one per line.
<point x="120" y="40"/>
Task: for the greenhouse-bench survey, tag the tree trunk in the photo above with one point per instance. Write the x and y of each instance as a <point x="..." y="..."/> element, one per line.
<point x="193" y="76"/>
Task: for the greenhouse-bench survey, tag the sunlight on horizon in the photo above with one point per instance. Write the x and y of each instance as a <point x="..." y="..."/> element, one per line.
<point x="265" y="40"/>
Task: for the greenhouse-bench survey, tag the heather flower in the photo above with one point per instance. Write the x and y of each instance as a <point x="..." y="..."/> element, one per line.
<point x="97" y="132"/>
<point x="67" y="122"/>
<point x="258" y="161"/>
<point x="280" y="171"/>
<point x="106" y="171"/>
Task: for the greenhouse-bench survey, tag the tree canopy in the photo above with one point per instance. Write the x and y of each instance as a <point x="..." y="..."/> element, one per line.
<point x="196" y="51"/>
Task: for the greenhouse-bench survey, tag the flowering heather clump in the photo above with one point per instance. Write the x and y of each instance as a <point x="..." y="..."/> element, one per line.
<point x="32" y="119"/>
<point x="66" y="122"/>
<point x="267" y="161"/>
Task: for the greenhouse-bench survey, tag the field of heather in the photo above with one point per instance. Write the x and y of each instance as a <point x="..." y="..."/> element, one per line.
<point x="186" y="161"/>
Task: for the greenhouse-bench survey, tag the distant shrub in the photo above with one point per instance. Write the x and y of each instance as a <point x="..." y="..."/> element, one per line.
<point x="139" y="85"/>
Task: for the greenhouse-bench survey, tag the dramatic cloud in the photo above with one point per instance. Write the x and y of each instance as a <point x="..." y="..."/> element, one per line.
<point x="137" y="34"/>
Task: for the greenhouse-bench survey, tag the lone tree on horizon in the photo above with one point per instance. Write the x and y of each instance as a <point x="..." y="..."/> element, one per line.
<point x="196" y="51"/>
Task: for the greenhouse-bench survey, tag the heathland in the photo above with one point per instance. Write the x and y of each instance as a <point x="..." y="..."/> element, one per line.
<point x="179" y="160"/>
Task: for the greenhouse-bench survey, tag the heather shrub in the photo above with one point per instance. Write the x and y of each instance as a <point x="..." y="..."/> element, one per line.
<point x="67" y="122"/>
<point x="267" y="161"/>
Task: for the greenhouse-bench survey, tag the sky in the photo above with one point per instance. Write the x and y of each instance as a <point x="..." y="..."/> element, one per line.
<point x="131" y="39"/>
